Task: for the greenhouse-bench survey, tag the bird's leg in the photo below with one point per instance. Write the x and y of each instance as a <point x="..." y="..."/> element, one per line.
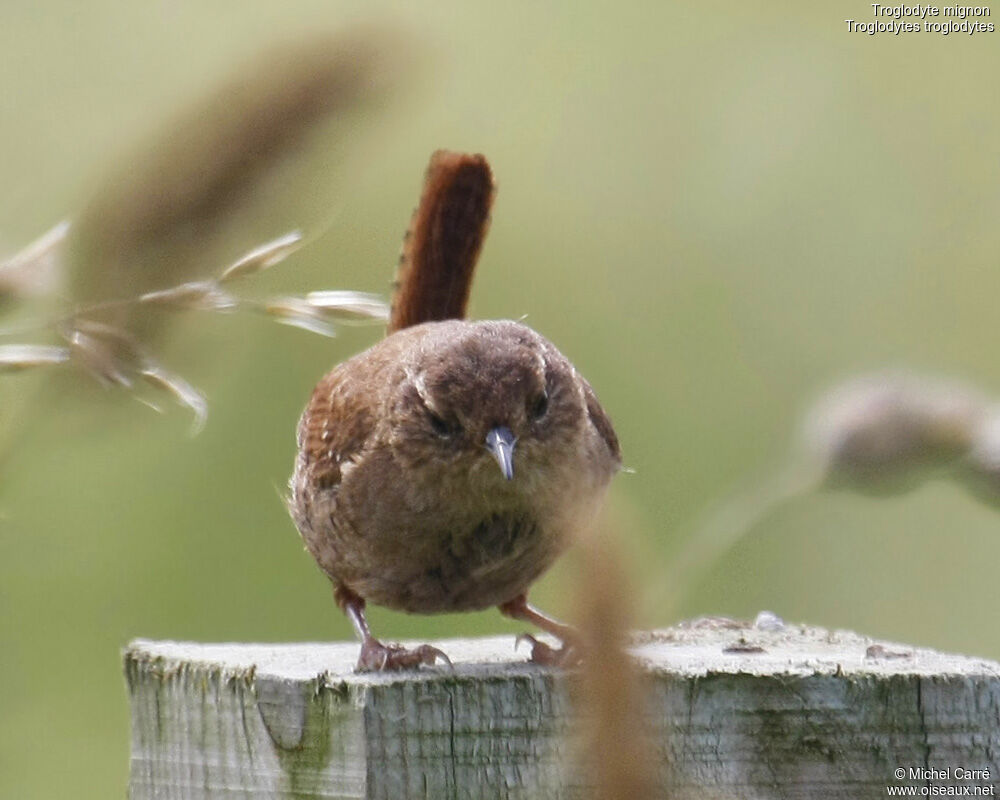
<point x="375" y="656"/>
<point x="566" y="656"/>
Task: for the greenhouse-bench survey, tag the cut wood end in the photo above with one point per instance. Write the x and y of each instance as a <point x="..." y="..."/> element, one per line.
<point x="691" y="649"/>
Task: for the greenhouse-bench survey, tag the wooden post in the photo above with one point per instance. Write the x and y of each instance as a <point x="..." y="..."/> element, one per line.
<point x="763" y="710"/>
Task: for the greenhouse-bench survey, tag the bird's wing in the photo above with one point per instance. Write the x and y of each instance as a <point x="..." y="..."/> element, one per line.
<point x="335" y="427"/>
<point x="600" y="419"/>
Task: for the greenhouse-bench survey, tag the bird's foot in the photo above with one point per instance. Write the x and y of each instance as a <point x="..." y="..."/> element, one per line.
<point x="569" y="655"/>
<point x="378" y="657"/>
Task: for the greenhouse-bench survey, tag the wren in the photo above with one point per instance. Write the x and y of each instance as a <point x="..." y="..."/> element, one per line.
<point x="445" y="468"/>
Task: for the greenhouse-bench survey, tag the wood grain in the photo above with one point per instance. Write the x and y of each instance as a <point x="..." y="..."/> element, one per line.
<point x="736" y="710"/>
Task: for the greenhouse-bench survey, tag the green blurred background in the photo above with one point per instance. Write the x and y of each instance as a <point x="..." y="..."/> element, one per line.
<point x="716" y="209"/>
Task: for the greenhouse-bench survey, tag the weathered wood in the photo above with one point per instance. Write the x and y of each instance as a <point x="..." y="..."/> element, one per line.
<point x="737" y="710"/>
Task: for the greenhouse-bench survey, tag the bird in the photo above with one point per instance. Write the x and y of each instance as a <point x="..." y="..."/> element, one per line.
<point x="446" y="468"/>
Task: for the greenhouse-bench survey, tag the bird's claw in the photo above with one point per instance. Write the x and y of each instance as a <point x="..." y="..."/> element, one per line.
<point x="569" y="655"/>
<point x="378" y="657"/>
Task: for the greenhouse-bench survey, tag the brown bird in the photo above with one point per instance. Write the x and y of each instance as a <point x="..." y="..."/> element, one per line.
<point x="447" y="467"/>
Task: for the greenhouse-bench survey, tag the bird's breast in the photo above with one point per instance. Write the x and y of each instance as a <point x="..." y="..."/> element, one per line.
<point x="463" y="565"/>
<point x="448" y="539"/>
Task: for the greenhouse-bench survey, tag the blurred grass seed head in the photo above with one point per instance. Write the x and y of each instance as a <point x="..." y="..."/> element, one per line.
<point x="140" y="230"/>
<point x="132" y="249"/>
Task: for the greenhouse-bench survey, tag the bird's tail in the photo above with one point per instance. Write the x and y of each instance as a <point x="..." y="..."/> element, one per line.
<point x="443" y="242"/>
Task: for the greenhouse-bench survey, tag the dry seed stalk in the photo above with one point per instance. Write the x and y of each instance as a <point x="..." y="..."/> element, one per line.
<point x="883" y="433"/>
<point x="143" y="231"/>
<point x="112" y="354"/>
<point x="148" y="224"/>
<point x="616" y="747"/>
<point x="36" y="269"/>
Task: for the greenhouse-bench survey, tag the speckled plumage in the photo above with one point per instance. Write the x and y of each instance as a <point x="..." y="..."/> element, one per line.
<point x="446" y="467"/>
<point x="417" y="517"/>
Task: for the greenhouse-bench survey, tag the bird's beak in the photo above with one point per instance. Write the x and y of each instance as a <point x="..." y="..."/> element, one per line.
<point x="500" y="442"/>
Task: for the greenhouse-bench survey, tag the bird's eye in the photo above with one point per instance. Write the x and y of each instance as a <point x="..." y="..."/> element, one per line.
<point x="538" y="406"/>
<point x="441" y="426"/>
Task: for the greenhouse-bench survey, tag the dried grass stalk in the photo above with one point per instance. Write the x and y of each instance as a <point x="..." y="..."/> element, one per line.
<point x="263" y="257"/>
<point x="110" y="354"/>
<point x="874" y="425"/>
<point x="173" y="193"/>
<point x="16" y="357"/>
<point x="195" y="296"/>
<point x="876" y="434"/>
<point x="295" y="312"/>
<point x="348" y="306"/>
<point x="127" y="246"/>
<point x="37" y="269"/>
<point x="615" y="741"/>
<point x="113" y="355"/>
<point x="182" y="391"/>
<point x="318" y="311"/>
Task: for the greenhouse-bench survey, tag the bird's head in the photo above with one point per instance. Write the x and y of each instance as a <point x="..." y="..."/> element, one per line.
<point x="487" y="393"/>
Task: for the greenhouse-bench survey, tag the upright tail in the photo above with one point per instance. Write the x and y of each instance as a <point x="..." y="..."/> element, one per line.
<point x="443" y="242"/>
